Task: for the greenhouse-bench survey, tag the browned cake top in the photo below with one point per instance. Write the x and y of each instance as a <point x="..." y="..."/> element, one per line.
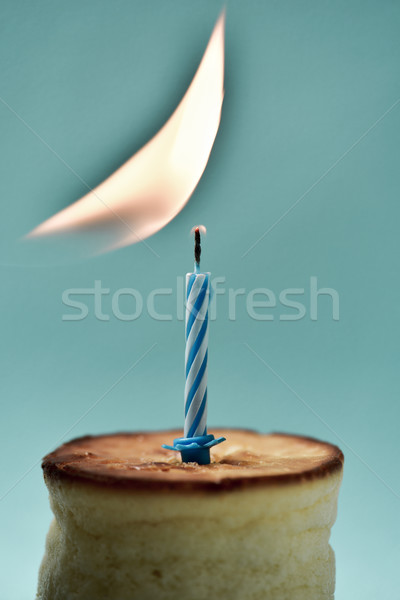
<point x="137" y="461"/>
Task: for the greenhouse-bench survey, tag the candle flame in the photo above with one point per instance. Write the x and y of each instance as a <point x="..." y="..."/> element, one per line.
<point x="153" y="186"/>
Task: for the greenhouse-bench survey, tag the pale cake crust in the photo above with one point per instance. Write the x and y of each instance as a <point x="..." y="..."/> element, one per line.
<point x="137" y="461"/>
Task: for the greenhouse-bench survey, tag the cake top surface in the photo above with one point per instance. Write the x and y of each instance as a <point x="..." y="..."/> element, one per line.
<point x="138" y="461"/>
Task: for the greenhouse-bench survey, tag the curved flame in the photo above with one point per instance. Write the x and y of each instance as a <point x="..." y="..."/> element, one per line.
<point x="153" y="186"/>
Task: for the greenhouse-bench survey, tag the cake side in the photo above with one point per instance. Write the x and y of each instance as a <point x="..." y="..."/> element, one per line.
<point x="250" y="543"/>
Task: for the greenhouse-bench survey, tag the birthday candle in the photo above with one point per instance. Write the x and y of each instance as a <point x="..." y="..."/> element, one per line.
<point x="195" y="445"/>
<point x="196" y="354"/>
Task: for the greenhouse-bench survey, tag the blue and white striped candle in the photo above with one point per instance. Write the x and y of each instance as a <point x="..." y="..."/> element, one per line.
<point x="196" y="355"/>
<point x="195" y="445"/>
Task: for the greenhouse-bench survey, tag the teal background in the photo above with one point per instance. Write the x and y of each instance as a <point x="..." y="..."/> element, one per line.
<point x="304" y="82"/>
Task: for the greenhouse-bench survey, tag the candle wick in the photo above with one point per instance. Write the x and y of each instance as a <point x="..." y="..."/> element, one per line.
<point x="197" y="246"/>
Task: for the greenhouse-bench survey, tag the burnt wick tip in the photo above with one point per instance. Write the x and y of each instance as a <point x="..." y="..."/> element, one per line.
<point x="197" y="245"/>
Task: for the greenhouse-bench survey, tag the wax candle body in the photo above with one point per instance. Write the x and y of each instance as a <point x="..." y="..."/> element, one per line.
<point x="196" y="355"/>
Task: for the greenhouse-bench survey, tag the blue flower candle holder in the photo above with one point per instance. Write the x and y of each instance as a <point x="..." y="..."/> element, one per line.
<point x="195" y="449"/>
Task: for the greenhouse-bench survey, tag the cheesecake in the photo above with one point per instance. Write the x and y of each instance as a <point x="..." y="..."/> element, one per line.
<point x="133" y="522"/>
